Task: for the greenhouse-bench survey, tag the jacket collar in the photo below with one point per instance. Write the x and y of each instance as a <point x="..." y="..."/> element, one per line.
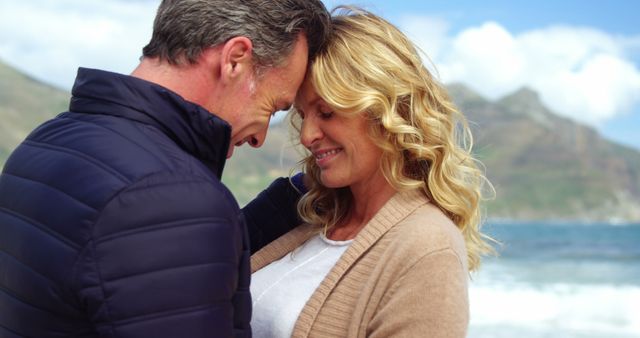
<point x="192" y="127"/>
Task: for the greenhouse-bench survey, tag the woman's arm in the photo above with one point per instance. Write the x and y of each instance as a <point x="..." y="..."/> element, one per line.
<point x="430" y="300"/>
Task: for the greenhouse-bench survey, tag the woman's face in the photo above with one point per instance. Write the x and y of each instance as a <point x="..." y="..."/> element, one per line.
<point x="342" y="148"/>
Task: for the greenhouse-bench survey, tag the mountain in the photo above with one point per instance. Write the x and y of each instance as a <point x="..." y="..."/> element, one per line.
<point x="24" y="103"/>
<point x="543" y="166"/>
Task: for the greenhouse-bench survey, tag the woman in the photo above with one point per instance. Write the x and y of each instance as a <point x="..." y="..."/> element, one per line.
<point x="392" y="209"/>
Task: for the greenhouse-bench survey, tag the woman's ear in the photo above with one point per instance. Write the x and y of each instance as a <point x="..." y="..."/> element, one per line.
<point x="236" y="58"/>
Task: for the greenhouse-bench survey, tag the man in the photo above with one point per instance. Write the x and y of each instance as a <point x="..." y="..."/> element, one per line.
<point x="113" y="220"/>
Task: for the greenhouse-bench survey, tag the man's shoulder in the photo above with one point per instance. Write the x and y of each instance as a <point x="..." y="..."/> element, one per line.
<point x="129" y="148"/>
<point x="186" y="186"/>
<point x="167" y="199"/>
<point x="94" y="157"/>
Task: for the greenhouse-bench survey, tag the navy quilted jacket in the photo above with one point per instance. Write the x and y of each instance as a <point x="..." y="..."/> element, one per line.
<point x="114" y="223"/>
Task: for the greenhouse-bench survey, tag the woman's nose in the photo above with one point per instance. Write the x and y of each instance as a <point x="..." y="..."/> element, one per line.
<point x="310" y="132"/>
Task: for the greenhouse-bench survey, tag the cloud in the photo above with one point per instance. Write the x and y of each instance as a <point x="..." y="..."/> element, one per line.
<point x="49" y="39"/>
<point x="430" y="33"/>
<point x="579" y="72"/>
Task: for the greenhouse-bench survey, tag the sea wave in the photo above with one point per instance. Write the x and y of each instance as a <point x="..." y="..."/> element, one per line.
<point x="554" y="310"/>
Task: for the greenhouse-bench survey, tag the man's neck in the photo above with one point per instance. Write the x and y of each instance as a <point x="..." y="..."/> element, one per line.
<point x="188" y="81"/>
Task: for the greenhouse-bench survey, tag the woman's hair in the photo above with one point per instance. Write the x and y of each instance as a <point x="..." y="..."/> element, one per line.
<point x="370" y="67"/>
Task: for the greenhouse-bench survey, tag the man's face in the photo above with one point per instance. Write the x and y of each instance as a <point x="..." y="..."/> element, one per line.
<point x="251" y="107"/>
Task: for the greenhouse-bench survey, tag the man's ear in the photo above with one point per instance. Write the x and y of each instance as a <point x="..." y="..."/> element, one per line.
<point x="237" y="57"/>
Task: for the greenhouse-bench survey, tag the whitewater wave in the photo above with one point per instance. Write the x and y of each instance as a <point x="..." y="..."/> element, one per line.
<point x="554" y="310"/>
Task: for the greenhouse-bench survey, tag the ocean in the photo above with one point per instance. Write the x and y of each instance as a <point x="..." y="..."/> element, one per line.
<point x="558" y="280"/>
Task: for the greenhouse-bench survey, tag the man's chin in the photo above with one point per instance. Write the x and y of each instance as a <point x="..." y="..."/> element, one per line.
<point x="230" y="151"/>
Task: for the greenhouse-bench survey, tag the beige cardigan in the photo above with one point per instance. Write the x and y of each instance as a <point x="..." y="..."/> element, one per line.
<point x="404" y="275"/>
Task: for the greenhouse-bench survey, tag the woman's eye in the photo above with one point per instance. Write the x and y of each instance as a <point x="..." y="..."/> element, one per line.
<point x="326" y="115"/>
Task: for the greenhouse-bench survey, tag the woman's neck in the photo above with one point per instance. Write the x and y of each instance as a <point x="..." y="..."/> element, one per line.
<point x="368" y="199"/>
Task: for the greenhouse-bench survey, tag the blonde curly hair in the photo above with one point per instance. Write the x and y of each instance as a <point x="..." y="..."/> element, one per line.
<point x="370" y="66"/>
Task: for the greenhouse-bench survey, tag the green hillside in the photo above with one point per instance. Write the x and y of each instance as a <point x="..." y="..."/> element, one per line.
<point x="543" y="166"/>
<point x="250" y="170"/>
<point x="24" y="103"/>
<point x="547" y="167"/>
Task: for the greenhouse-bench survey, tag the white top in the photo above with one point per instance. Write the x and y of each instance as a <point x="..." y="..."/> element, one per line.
<point x="281" y="289"/>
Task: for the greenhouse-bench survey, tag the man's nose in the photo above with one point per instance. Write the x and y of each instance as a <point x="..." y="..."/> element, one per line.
<point x="257" y="140"/>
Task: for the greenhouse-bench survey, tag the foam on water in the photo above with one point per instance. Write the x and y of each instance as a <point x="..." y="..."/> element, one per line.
<point x="559" y="281"/>
<point x="584" y="310"/>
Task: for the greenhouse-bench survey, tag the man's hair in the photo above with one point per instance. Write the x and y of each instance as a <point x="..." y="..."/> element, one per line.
<point x="184" y="28"/>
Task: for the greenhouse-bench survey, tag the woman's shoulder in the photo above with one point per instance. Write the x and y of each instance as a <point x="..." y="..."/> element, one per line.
<point x="428" y="229"/>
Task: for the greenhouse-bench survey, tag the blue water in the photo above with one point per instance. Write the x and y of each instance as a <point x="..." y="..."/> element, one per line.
<point x="559" y="280"/>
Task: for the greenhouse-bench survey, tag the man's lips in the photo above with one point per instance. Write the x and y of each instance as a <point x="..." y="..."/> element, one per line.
<point x="232" y="146"/>
<point x="230" y="151"/>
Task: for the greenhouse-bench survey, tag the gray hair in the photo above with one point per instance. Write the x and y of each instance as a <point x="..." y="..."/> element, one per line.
<point x="184" y="28"/>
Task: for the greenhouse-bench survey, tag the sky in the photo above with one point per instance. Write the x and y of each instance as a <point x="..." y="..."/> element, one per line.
<point x="582" y="57"/>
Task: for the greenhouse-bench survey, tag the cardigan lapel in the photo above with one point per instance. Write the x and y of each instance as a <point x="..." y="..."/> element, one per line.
<point x="281" y="246"/>
<point x="396" y="209"/>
